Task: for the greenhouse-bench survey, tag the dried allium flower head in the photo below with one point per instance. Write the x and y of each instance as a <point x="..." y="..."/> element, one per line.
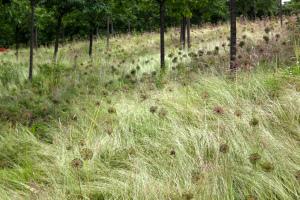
<point x="267" y="30"/>
<point x="153" y="109"/>
<point x="254" y="158"/>
<point x="267" y="166"/>
<point x="144" y="96"/>
<point x="74" y="118"/>
<point x="77" y="163"/>
<point x="219" y="110"/>
<point x="86" y="154"/>
<point x="242" y="44"/>
<point x="254" y="122"/>
<point x="188" y="196"/>
<point x="205" y="95"/>
<point x="133" y="72"/>
<point x="112" y="110"/>
<point x="175" y="59"/>
<point x="297" y="175"/>
<point x="224" y="148"/>
<point x="266" y="38"/>
<point x="104" y="93"/>
<point x="200" y="53"/>
<point x="162" y="113"/>
<point x="82" y="143"/>
<point x="251" y="197"/>
<point x="173" y="153"/>
<point x="238" y="113"/>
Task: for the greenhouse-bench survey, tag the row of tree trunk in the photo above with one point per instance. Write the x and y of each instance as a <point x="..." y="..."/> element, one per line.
<point x="185" y="36"/>
<point x="185" y="32"/>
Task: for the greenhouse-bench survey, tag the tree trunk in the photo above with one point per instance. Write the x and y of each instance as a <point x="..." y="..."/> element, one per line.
<point x="32" y="5"/>
<point x="17" y="41"/>
<point x="162" y="34"/>
<point x="91" y="43"/>
<point x="107" y="33"/>
<point x="35" y="38"/>
<point x="57" y="35"/>
<point x="189" y="32"/>
<point x="233" y="35"/>
<point x="112" y="28"/>
<point x="182" y="32"/>
<point x="129" y="28"/>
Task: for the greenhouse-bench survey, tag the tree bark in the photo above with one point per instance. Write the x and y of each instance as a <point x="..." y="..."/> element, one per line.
<point x="162" y="34"/>
<point x="57" y="35"/>
<point x="107" y="33"/>
<point x="233" y="35"/>
<point x="35" y="38"/>
<point x="189" y="32"/>
<point x="32" y="5"/>
<point x="129" y="28"/>
<point x="91" y="42"/>
<point x="183" y="32"/>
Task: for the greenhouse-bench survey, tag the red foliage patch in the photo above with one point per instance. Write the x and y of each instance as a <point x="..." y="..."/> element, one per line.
<point x="3" y="49"/>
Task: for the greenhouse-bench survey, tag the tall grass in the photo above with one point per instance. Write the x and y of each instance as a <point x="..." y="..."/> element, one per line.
<point x="105" y="131"/>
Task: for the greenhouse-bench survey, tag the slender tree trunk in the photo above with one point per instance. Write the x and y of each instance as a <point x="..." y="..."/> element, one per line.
<point x="91" y="43"/>
<point x="189" y="32"/>
<point x="57" y="35"/>
<point x="17" y="41"/>
<point x="233" y="35"/>
<point x="107" y="33"/>
<point x="129" y="28"/>
<point x="183" y="32"/>
<point x="32" y="5"/>
<point x="162" y="34"/>
<point x="35" y="38"/>
<point x="280" y="12"/>
<point x="112" y="27"/>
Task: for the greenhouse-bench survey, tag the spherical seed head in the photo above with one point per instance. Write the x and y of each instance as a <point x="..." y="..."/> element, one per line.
<point x="173" y="153"/>
<point x="297" y="176"/>
<point x="86" y="154"/>
<point x="219" y="110"/>
<point x="267" y="30"/>
<point x="254" y="158"/>
<point x="82" y="143"/>
<point x="188" y="196"/>
<point x="224" y="148"/>
<point x="266" y="38"/>
<point x="238" y="113"/>
<point x="153" y="109"/>
<point x="242" y="44"/>
<point x="251" y="197"/>
<point x="254" y="122"/>
<point x="112" y="110"/>
<point x="267" y="166"/>
<point x="163" y="113"/>
<point x="77" y="163"/>
<point x="205" y="95"/>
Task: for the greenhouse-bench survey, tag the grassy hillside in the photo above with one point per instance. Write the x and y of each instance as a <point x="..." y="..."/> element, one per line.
<point x="114" y="127"/>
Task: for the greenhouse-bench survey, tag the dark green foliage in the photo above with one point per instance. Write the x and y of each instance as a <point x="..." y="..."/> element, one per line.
<point x="131" y="15"/>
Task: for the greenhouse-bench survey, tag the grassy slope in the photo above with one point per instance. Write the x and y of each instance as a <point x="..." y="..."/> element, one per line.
<point x="197" y="144"/>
